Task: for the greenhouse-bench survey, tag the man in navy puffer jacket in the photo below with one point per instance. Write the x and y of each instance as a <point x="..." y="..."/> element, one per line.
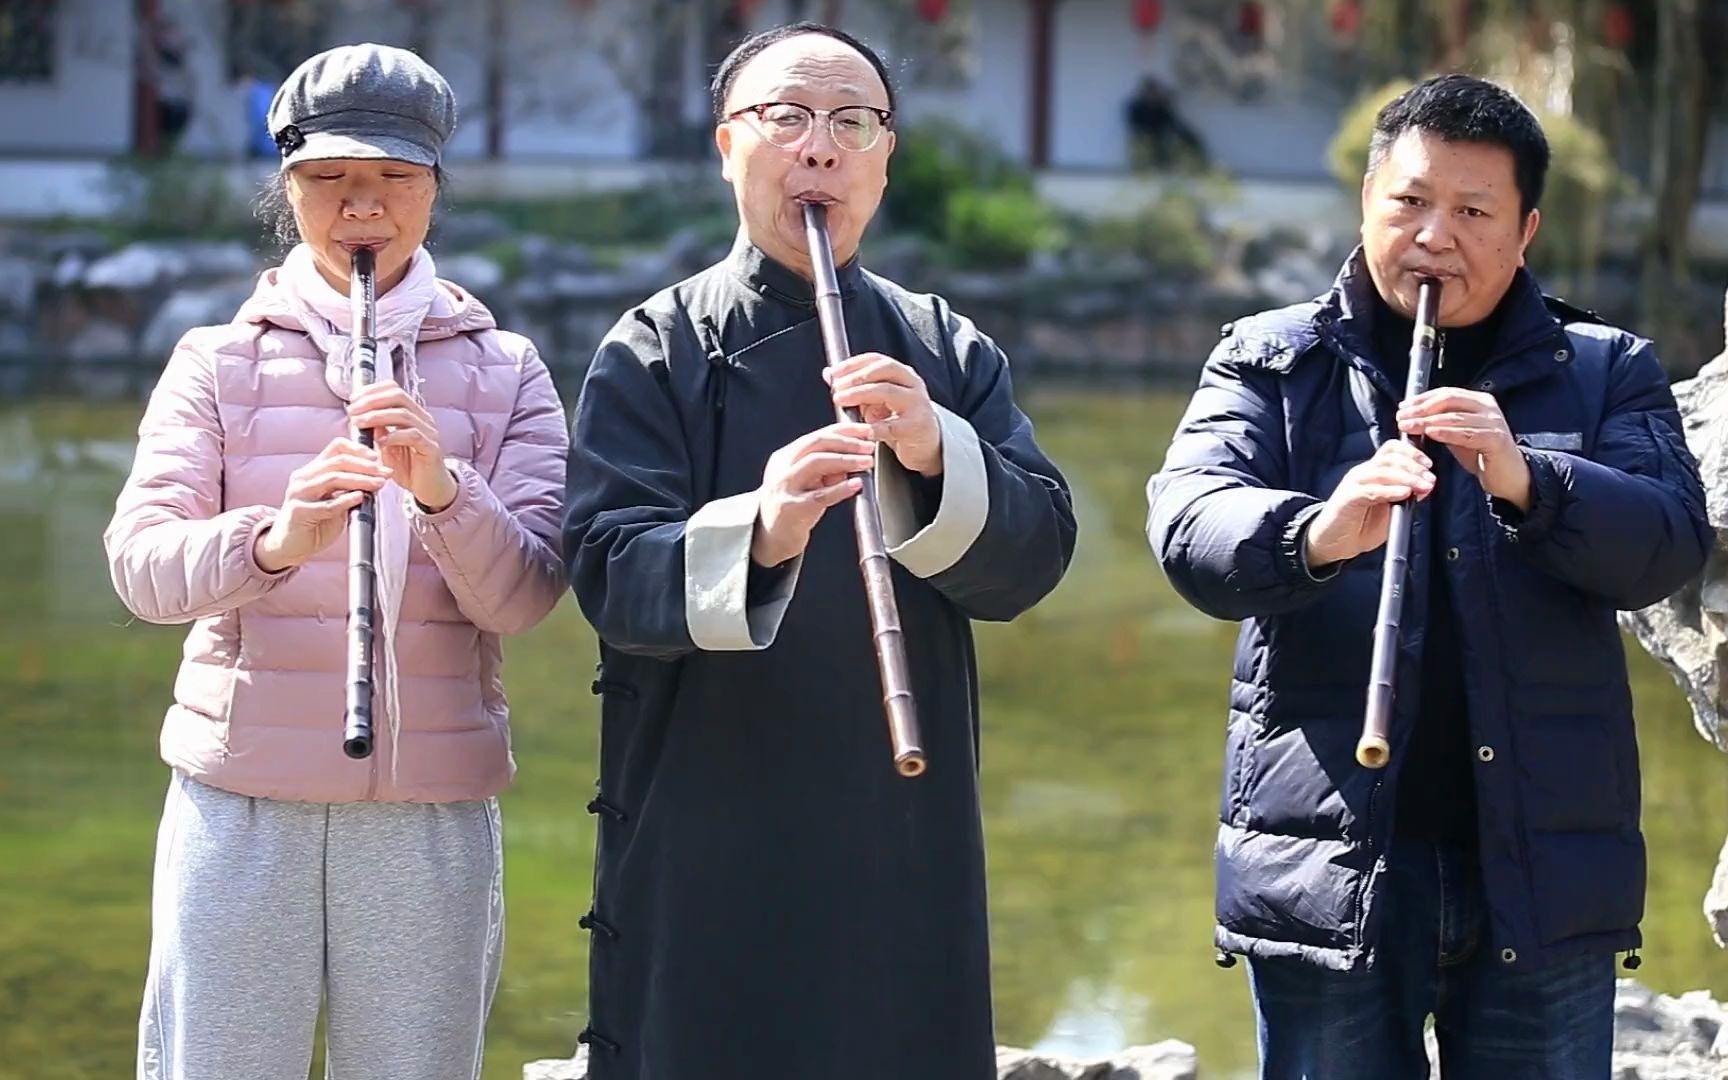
<point x="1488" y="875"/>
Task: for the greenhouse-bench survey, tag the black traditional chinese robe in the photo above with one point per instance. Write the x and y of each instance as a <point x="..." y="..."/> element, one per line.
<point x="771" y="900"/>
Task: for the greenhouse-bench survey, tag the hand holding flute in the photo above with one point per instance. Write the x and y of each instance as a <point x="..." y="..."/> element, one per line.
<point x="874" y="397"/>
<point x="1374" y="748"/>
<point x="1361" y="515"/>
<point x="1357" y="517"/>
<point x="322" y="497"/>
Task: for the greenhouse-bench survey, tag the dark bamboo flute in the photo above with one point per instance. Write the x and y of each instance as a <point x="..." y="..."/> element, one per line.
<point x="889" y="640"/>
<point x="362" y="521"/>
<point x="1374" y="749"/>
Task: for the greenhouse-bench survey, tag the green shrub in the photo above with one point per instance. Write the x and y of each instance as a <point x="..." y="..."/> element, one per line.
<point x="1171" y="233"/>
<point x="634" y="216"/>
<point x="933" y="161"/>
<point x="176" y="198"/>
<point x="507" y="254"/>
<point x="999" y="228"/>
<point x="957" y="190"/>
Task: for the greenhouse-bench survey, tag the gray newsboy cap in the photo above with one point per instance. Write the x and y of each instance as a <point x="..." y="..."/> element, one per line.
<point x="363" y="101"/>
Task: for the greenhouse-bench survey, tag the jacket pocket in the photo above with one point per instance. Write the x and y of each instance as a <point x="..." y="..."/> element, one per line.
<point x="234" y="654"/>
<point x="1569" y="766"/>
<point x="1302" y="780"/>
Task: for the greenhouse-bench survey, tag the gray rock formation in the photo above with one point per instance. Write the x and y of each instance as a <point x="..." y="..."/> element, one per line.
<point x="1688" y="632"/>
<point x="575" y="1068"/>
<point x="1656" y="1037"/>
<point x="187" y="308"/>
<point x="1169" y="1060"/>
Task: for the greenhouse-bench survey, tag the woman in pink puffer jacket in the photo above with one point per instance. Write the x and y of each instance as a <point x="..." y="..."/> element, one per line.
<point x="288" y="875"/>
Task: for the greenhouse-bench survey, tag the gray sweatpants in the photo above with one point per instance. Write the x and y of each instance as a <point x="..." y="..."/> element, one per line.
<point x="391" y="912"/>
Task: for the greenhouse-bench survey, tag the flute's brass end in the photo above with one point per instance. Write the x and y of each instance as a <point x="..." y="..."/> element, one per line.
<point x="1373" y="752"/>
<point x="911" y="765"/>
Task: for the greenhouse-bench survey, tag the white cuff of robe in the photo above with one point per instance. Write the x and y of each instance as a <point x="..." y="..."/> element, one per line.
<point x="717" y="576"/>
<point x="927" y="550"/>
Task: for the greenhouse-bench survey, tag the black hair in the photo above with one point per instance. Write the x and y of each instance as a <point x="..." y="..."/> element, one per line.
<point x="752" y="46"/>
<point x="1463" y="108"/>
<point x="277" y="213"/>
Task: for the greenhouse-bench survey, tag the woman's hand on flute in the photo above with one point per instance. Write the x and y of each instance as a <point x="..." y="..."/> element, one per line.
<point x="1358" y="516"/>
<point x="1472" y="426"/>
<point x="408" y="437"/>
<point x="801" y="481"/>
<point x="315" y="507"/>
<point x="895" y="403"/>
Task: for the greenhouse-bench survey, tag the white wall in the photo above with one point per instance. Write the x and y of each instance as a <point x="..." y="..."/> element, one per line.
<point x="996" y="101"/>
<point x="1098" y="60"/>
<point x="217" y="125"/>
<point x="563" y="100"/>
<point x="568" y="102"/>
<point x="87" y="107"/>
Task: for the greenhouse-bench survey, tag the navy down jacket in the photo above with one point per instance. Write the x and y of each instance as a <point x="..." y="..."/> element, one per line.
<point x="1287" y="403"/>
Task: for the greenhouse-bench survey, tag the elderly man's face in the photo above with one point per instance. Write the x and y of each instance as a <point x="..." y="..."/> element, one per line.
<point x="348" y="203"/>
<point x="1450" y="210"/>
<point x="772" y="182"/>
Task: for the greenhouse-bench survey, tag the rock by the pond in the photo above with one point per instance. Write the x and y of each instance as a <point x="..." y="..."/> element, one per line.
<point x="18" y="281"/>
<point x="1656" y="1037"/>
<point x="186" y="309"/>
<point x="1168" y="1060"/>
<point x="478" y="274"/>
<point x="1716" y="900"/>
<point x="1688" y="632"/>
<point x="575" y="1068"/>
<point x="143" y="265"/>
<point x="101" y="340"/>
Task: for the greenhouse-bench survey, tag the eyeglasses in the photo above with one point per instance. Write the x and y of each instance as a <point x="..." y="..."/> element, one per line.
<point x="787" y="123"/>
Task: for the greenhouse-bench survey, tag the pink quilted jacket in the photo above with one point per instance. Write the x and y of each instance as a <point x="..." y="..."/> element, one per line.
<point x="258" y="703"/>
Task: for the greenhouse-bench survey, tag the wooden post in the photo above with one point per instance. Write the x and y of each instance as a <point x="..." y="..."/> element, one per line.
<point x="1680" y="125"/>
<point x="497" y="26"/>
<point x="1042" y="36"/>
<point x="146" y="123"/>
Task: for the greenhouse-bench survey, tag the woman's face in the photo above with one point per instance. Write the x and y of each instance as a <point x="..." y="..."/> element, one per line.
<point x="344" y="204"/>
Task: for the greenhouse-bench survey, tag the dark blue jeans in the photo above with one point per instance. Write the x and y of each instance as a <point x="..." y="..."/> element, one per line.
<point x="1493" y="1022"/>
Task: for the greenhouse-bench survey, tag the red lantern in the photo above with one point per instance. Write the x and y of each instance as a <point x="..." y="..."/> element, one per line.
<point x="1346" y="18"/>
<point x="932" y="11"/>
<point x="1251" y="20"/>
<point x="1147" y="15"/>
<point x="1618" y="26"/>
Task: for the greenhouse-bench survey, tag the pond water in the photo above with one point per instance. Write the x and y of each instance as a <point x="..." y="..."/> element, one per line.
<point x="1103" y="720"/>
